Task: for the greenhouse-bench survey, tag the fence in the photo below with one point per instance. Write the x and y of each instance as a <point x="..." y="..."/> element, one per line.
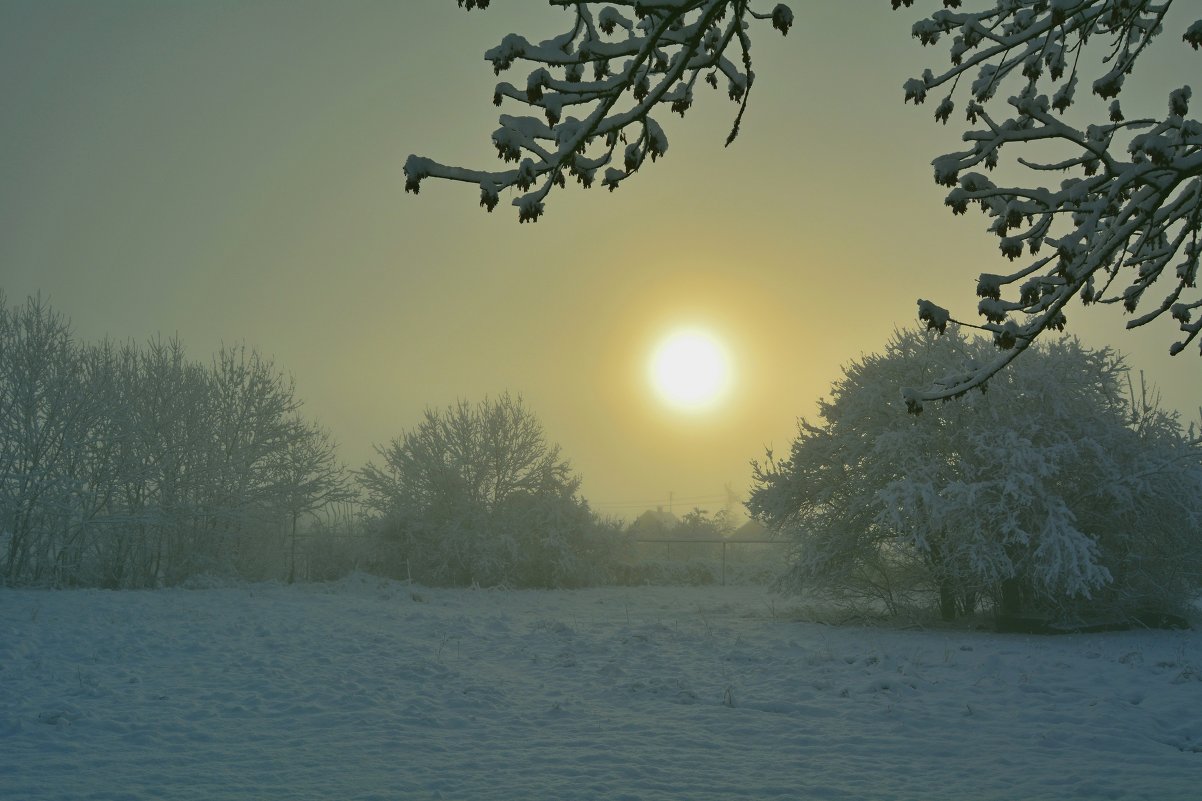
<point x="723" y="542"/>
<point x="314" y="555"/>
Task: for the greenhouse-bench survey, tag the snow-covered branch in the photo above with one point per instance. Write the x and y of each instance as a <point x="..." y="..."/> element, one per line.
<point x="1125" y="216"/>
<point x="595" y="87"/>
<point x="1122" y="223"/>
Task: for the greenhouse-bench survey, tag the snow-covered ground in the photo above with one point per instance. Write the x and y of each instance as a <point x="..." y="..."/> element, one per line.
<point x="369" y="689"/>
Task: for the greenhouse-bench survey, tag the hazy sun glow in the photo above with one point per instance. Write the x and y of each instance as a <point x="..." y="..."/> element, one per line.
<point x="690" y="370"/>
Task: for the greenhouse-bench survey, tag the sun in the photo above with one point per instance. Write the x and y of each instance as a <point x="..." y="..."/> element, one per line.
<point x="690" y="370"/>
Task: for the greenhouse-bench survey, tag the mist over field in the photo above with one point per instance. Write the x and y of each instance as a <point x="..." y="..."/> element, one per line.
<point x="359" y="440"/>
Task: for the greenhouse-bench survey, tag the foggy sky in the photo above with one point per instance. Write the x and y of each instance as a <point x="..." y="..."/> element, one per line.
<point x="231" y="171"/>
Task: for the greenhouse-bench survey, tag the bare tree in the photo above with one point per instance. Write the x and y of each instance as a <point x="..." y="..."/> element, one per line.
<point x="476" y="493"/>
<point x="44" y="419"/>
<point x="478" y="454"/>
<point x="158" y="446"/>
<point x="308" y="478"/>
<point x="134" y="466"/>
<point x="1126" y="214"/>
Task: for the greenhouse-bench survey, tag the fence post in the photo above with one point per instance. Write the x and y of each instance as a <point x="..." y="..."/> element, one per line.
<point x="724" y="542"/>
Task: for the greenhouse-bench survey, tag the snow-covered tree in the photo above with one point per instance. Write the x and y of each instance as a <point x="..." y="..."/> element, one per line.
<point x="47" y="418"/>
<point x="1095" y="205"/>
<point x="1052" y="493"/>
<point x="165" y="445"/>
<point x="476" y="493"/>
<point x="699" y="524"/>
<point x="134" y="466"/>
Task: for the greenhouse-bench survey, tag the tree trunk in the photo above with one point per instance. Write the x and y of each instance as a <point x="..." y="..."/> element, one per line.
<point x="292" y="566"/>
<point x="1012" y="597"/>
<point x="947" y="599"/>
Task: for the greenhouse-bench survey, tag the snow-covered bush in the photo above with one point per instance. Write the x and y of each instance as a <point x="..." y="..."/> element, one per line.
<point x="475" y="494"/>
<point x="1094" y="205"/>
<point x="664" y="572"/>
<point x="1054" y="493"/>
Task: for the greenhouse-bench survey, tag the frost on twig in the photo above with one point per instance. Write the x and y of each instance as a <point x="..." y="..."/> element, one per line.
<point x="590" y="92"/>
<point x="1113" y="214"/>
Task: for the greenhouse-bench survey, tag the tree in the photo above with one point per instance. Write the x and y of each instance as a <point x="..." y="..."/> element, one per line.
<point x="308" y="478"/>
<point x="699" y="524"/>
<point x="166" y="440"/>
<point x="132" y="466"/>
<point x="45" y="421"/>
<point x="1054" y="493"/>
<point x="476" y="494"/>
<point x="1125" y="216"/>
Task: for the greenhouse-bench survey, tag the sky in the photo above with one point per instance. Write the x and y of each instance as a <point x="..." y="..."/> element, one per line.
<point x="231" y="172"/>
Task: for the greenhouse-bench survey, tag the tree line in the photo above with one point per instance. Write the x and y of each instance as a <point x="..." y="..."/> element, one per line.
<point x="133" y="465"/>
<point x="1062" y="492"/>
<point x="125" y="465"/>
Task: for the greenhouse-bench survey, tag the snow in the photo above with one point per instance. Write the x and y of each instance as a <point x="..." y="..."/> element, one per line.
<point x="372" y="689"/>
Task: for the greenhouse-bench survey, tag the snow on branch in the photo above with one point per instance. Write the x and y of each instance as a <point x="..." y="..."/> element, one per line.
<point x="594" y="87"/>
<point x="1093" y="206"/>
<point x="1123" y="221"/>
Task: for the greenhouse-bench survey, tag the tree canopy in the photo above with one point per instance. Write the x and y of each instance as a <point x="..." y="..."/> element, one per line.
<point x="128" y="465"/>
<point x="476" y="493"/>
<point x="1124" y="215"/>
<point x="1058" y="492"/>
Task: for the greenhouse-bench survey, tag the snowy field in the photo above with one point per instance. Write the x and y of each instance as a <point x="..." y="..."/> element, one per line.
<point x="368" y="689"/>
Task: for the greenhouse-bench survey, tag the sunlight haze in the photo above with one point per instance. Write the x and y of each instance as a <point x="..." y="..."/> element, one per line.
<point x="231" y="172"/>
